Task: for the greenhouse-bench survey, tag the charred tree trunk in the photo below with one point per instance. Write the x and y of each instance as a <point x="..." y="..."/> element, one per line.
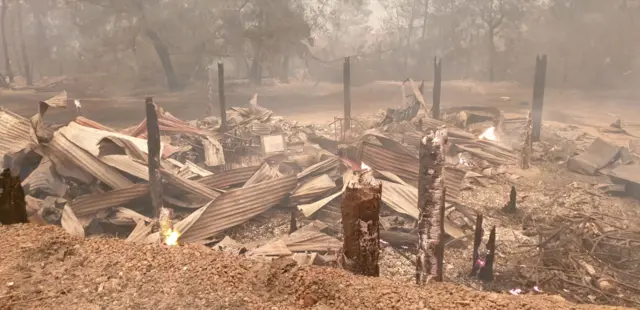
<point x="430" y="200"/>
<point x="492" y="53"/>
<point x="361" y="225"/>
<point x="5" y="47"/>
<point x="13" y="207"/>
<point x="153" y="145"/>
<point x="163" y="54"/>
<point x="28" y="73"/>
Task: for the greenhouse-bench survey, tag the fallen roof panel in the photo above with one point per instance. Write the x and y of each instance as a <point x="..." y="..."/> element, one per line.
<point x="15" y="132"/>
<point x="91" y="204"/>
<point x="228" y="178"/>
<point x="237" y="206"/>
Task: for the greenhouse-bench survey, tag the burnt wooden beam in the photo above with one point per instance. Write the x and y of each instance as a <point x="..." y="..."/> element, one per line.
<point x="346" y="83"/>
<point x="153" y="145"/>
<point x="486" y="272"/>
<point x="221" y="98"/>
<point x="538" y="96"/>
<point x="437" y="88"/>
<point x="13" y="206"/>
<point x="430" y="200"/>
<point x="361" y="224"/>
<point x="477" y="242"/>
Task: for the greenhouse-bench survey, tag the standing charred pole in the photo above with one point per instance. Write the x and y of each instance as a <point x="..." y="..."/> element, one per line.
<point x="430" y="202"/>
<point x="437" y="87"/>
<point x="538" y="96"/>
<point x="528" y="144"/>
<point x="222" y="98"/>
<point x="153" y="145"/>
<point x="346" y="83"/>
<point x="361" y="224"/>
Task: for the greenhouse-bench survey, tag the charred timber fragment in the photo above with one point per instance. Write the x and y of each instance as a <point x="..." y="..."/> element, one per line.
<point x="527" y="146"/>
<point x="222" y="98"/>
<point x="486" y="272"/>
<point x="510" y="207"/>
<point x="13" y="207"/>
<point x="538" y="96"/>
<point x="153" y="145"/>
<point x="361" y="224"/>
<point x="346" y="83"/>
<point x="477" y="242"/>
<point x="430" y="201"/>
<point x="437" y="87"/>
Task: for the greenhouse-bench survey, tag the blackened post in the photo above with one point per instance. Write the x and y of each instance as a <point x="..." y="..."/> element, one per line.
<point x="538" y="96"/>
<point x="527" y="146"/>
<point x="486" y="272"/>
<point x="221" y="98"/>
<point x="153" y="145"/>
<point x="430" y="196"/>
<point x="440" y="247"/>
<point x="437" y="88"/>
<point x="13" y="206"/>
<point x="477" y="241"/>
<point x="346" y="82"/>
<point x="361" y="224"/>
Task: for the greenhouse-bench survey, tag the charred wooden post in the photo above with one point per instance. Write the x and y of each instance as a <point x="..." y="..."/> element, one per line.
<point x="361" y="224"/>
<point x="538" y="96"/>
<point x="440" y="246"/>
<point x="510" y="207"/>
<point x="346" y="83"/>
<point x="477" y="242"/>
<point x="527" y="148"/>
<point x="222" y="98"/>
<point x="153" y="145"/>
<point x="486" y="272"/>
<point x="430" y="199"/>
<point x="13" y="207"/>
<point x="437" y="87"/>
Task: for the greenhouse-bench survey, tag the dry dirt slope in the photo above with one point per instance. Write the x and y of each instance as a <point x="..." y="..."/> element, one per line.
<point x="44" y="268"/>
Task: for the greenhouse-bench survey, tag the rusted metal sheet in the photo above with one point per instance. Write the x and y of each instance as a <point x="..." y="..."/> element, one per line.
<point x="237" y="206"/>
<point x="189" y="186"/>
<point x="93" y="203"/>
<point x="45" y="179"/>
<point x="92" y="124"/>
<point x="15" y="132"/>
<point x="229" y="178"/>
<point x="67" y="154"/>
<point x="265" y="173"/>
<point x="319" y="168"/>
<point x="406" y="167"/>
<point x="313" y="188"/>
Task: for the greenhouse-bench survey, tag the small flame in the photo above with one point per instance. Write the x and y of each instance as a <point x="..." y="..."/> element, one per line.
<point x="171" y="237"/>
<point x="364" y="166"/>
<point x="489" y="134"/>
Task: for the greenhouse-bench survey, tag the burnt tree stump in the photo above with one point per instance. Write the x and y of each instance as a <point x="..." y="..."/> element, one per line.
<point x="361" y="224"/>
<point x="13" y="207"/>
<point x="430" y="202"/>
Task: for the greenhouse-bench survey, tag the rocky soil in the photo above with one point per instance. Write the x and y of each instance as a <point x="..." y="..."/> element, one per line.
<point x="44" y="268"/>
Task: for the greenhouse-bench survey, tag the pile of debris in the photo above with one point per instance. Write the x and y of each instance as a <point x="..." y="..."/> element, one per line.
<point x="94" y="180"/>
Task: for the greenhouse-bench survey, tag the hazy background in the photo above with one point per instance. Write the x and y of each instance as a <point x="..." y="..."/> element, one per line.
<point x="122" y="46"/>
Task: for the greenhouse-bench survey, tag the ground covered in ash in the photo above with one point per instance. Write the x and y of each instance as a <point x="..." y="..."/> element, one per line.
<point x="45" y="268"/>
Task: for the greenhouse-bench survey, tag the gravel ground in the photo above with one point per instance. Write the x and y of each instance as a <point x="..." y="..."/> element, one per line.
<point x="44" y="268"/>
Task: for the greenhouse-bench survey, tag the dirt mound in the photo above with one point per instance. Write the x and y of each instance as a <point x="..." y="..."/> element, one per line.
<point x="44" y="268"/>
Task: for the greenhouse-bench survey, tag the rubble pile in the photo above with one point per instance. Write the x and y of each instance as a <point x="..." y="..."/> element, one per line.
<point x="269" y="188"/>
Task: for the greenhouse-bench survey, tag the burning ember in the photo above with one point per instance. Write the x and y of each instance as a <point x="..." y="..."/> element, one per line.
<point x="489" y="134"/>
<point x="171" y="237"/>
<point x="168" y="233"/>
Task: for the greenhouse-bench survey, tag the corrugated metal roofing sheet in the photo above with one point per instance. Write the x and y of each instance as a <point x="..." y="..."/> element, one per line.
<point x="45" y="179"/>
<point x="228" y="178"/>
<point x="319" y="168"/>
<point x="15" y="132"/>
<point x="189" y="186"/>
<point x="237" y="206"/>
<point x="91" y="204"/>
